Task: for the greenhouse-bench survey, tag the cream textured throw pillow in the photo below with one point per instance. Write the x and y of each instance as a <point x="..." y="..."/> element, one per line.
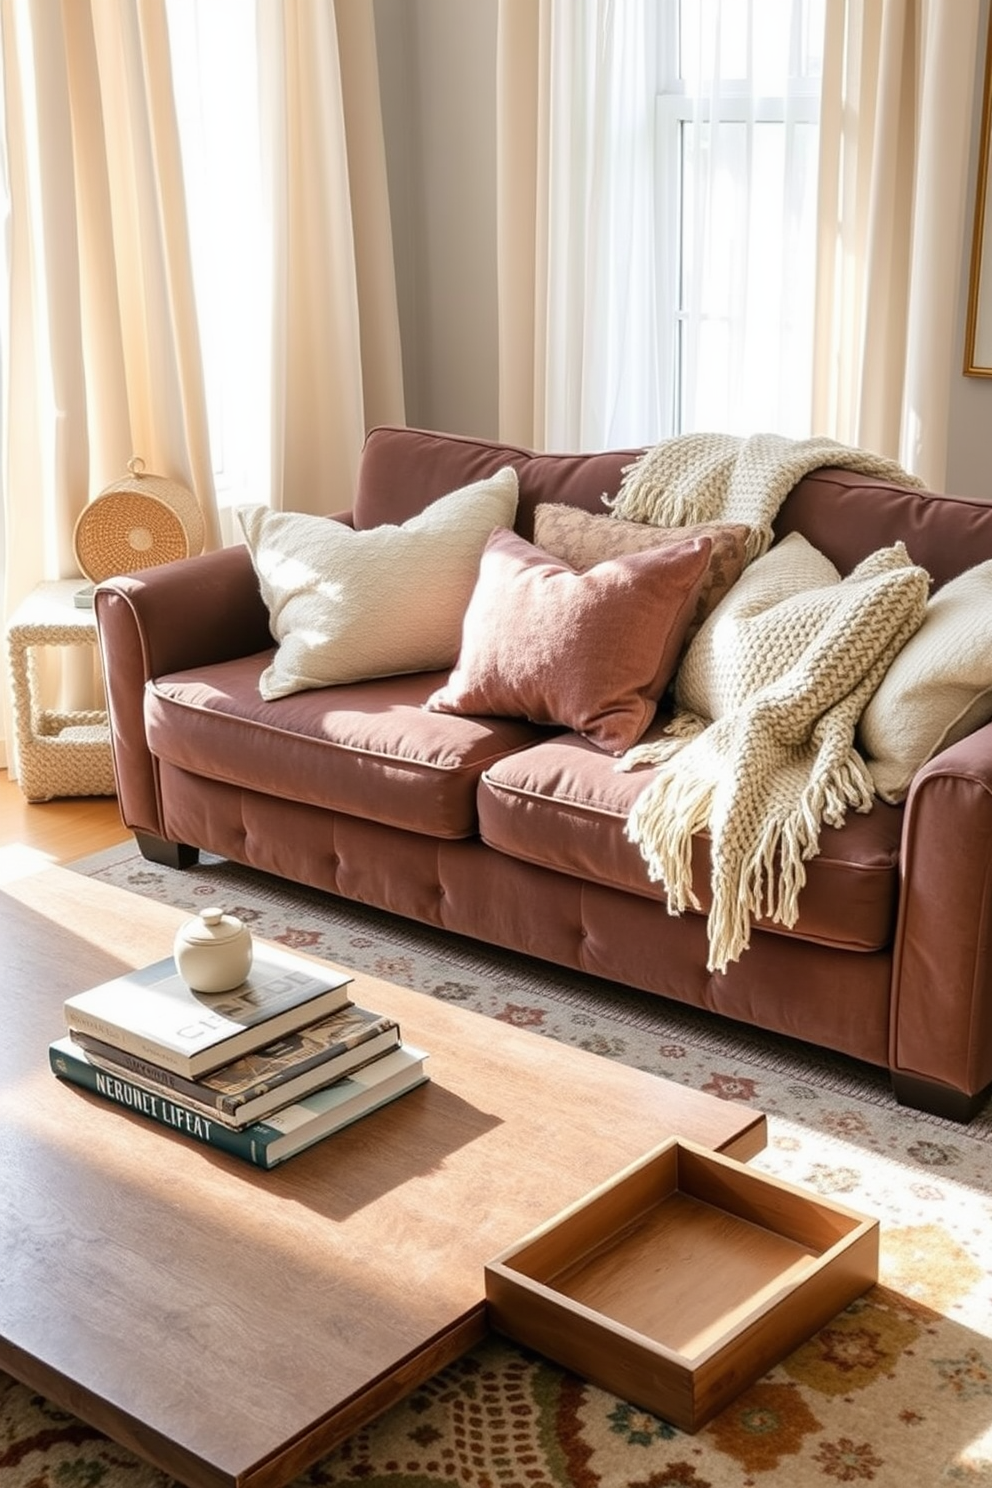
<point x="939" y="687"/>
<point x="346" y="605"/>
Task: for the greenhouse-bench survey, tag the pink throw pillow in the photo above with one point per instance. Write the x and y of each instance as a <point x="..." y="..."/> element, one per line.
<point x="590" y="651"/>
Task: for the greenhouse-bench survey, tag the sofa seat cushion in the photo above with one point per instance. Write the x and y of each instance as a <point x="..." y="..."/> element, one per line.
<point x="368" y="749"/>
<point x="562" y="804"/>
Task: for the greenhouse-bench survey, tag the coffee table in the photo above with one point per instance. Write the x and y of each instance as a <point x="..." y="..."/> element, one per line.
<point x="232" y="1325"/>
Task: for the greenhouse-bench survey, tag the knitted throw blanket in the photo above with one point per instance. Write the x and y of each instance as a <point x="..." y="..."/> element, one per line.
<point x="728" y="478"/>
<point x="772" y="758"/>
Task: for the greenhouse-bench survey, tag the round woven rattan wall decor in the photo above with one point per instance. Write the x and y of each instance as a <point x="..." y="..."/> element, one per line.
<point x="137" y="523"/>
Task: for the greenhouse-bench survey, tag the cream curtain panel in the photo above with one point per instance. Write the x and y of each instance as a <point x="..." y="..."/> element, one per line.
<point x="101" y="352"/>
<point x="101" y="349"/>
<point x="523" y="77"/>
<point x="897" y="110"/>
<point x="100" y="346"/>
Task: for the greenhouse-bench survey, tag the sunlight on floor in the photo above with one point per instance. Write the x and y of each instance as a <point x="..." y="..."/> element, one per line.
<point x="17" y="860"/>
<point x="975" y="1463"/>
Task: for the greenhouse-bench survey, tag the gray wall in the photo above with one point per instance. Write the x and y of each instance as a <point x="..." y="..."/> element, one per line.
<point x="438" y="62"/>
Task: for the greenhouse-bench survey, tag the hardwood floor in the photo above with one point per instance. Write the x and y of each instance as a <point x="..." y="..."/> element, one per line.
<point x="54" y="831"/>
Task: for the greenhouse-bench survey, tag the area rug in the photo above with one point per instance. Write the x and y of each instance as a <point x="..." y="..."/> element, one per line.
<point x="896" y="1391"/>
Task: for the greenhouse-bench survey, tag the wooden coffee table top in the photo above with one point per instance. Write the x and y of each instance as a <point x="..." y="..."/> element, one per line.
<point x="229" y="1324"/>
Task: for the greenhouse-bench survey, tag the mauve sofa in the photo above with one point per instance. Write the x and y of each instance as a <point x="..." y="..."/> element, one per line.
<point x="513" y="834"/>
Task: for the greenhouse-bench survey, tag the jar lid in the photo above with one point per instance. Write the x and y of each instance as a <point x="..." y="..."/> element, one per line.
<point x="212" y="927"/>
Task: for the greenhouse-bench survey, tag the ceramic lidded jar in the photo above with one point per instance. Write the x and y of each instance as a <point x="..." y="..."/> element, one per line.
<point x="213" y="952"/>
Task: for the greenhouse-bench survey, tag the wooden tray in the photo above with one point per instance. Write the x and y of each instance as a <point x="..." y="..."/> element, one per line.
<point x="682" y="1280"/>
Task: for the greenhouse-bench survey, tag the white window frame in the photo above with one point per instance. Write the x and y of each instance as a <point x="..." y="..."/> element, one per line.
<point x="676" y="109"/>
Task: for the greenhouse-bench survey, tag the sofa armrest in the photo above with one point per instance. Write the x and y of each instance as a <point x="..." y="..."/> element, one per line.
<point x="192" y="613"/>
<point x="941" y="1021"/>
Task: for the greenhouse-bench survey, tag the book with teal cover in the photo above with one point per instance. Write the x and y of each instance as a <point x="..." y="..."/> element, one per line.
<point x="265" y="1143"/>
<point x="151" y="1012"/>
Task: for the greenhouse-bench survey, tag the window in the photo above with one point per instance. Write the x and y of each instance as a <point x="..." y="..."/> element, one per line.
<point x="737" y="150"/>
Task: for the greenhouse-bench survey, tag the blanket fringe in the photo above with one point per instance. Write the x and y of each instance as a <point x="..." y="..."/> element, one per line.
<point x="679" y="481"/>
<point x="763" y="882"/>
<point x="662" y="823"/>
<point x="681" y="729"/>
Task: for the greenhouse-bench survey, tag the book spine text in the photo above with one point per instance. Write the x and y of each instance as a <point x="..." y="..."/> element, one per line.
<point x="247" y="1144"/>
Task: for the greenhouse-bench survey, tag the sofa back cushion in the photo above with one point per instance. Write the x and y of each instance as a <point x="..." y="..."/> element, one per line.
<point x="843" y="513"/>
<point x="847" y="517"/>
<point x="401" y="470"/>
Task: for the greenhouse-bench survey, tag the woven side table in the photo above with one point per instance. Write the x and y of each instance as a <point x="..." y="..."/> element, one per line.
<point x="58" y="754"/>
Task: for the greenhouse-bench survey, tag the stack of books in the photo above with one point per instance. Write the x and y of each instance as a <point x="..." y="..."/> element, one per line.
<point x="262" y="1072"/>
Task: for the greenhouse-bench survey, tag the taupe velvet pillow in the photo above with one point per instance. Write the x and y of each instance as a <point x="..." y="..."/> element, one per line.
<point x="590" y="651"/>
<point x="584" y="538"/>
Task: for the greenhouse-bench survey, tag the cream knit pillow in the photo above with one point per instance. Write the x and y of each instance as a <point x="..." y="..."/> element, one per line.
<point x="346" y="605"/>
<point x="939" y="687"/>
<point x="758" y="629"/>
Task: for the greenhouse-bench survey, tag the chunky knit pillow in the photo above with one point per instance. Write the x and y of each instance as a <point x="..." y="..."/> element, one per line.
<point x="758" y="629"/>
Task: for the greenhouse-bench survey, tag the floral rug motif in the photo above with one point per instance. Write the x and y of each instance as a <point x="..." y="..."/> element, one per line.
<point x="896" y="1391"/>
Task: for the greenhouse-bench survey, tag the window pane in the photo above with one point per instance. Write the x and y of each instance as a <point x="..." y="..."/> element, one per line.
<point x="748" y="238"/>
<point x="759" y="41"/>
<point x="746" y="123"/>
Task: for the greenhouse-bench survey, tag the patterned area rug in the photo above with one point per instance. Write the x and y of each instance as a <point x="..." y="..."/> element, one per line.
<point x="896" y="1391"/>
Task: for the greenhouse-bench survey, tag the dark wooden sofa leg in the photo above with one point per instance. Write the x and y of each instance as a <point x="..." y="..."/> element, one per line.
<point x="936" y="1099"/>
<point x="168" y="854"/>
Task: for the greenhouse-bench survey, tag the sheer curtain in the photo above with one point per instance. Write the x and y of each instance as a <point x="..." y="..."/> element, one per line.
<point x="744" y="151"/>
<point x="898" y="105"/>
<point x="837" y="304"/>
<point x="576" y="101"/>
<point x="665" y="210"/>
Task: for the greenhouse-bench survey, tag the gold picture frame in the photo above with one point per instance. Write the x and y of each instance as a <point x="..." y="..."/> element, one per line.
<point x="978" y="329"/>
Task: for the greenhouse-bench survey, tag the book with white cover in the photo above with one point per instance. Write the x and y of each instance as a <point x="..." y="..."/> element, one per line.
<point x="154" y="1014"/>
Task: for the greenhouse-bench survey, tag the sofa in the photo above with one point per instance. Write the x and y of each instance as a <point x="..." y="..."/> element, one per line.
<point x="513" y="830"/>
